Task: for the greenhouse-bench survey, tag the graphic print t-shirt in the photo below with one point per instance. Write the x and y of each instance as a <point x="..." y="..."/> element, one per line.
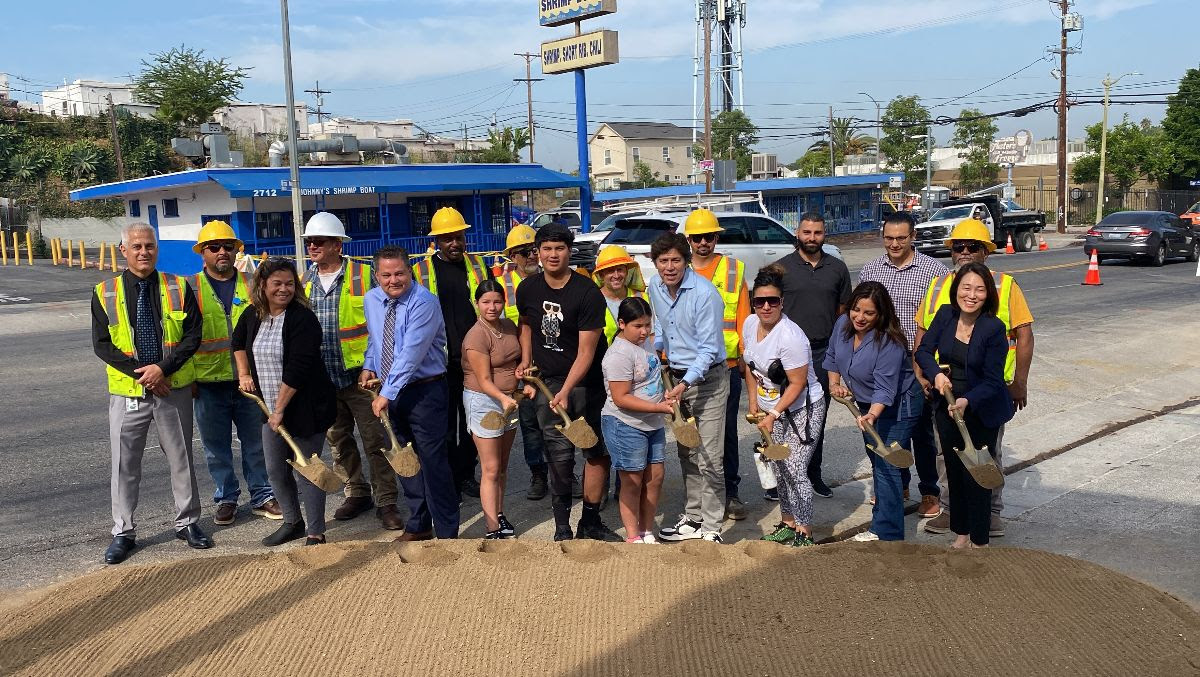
<point x="639" y="366"/>
<point x="556" y="317"/>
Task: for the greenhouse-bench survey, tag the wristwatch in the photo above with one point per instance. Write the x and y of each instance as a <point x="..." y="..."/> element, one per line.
<point x="775" y="412"/>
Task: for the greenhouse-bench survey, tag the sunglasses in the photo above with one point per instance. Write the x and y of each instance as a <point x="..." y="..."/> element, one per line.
<point x="216" y="247"/>
<point x="766" y="301"/>
<point x="973" y="247"/>
<point x="317" y="242"/>
<point x="706" y="237"/>
<point x="524" y="251"/>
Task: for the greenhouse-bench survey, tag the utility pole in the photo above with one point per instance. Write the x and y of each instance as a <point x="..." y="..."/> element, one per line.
<point x="319" y="93"/>
<point x="1108" y="82"/>
<point x="928" y="166"/>
<point x="528" y="80"/>
<point x="708" y="173"/>
<point x="293" y="130"/>
<point x="832" y="168"/>
<point x="1064" y="6"/>
<point x="116" y="138"/>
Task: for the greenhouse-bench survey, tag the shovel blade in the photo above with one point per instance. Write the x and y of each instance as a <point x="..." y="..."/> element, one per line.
<point x="579" y="433"/>
<point x="987" y="474"/>
<point x="321" y="475"/>
<point x="776" y="452"/>
<point x="493" y="421"/>
<point x="403" y="460"/>
<point x="686" y="433"/>
<point x="894" y="454"/>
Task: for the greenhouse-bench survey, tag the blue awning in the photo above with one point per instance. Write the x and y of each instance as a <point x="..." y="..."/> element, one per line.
<point x="347" y="180"/>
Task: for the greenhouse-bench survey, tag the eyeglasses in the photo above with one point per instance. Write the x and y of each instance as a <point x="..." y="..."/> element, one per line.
<point x="704" y="237"/>
<point x="317" y="242"/>
<point x="218" y="246"/>
<point x="524" y="251"/>
<point x="766" y="301"/>
<point x="896" y="240"/>
<point x="973" y="247"/>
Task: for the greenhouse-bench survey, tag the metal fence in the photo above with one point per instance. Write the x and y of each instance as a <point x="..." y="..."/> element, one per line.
<point x="481" y="243"/>
<point x="1081" y="202"/>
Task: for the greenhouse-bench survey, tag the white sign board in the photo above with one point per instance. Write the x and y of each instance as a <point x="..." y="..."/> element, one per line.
<point x="579" y="51"/>
<point x="559" y="12"/>
<point x="1011" y="150"/>
<point x="895" y="182"/>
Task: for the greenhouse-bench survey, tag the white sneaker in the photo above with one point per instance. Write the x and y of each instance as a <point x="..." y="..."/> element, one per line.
<point x="649" y="538"/>
<point x="712" y="537"/>
<point x="684" y="530"/>
<point x="865" y="536"/>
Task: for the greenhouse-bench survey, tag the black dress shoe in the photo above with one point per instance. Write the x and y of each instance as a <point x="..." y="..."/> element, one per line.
<point x="288" y="531"/>
<point x="119" y="550"/>
<point x="820" y="488"/>
<point x="194" y="536"/>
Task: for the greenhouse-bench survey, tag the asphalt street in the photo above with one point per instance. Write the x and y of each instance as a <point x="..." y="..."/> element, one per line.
<point x="54" y="450"/>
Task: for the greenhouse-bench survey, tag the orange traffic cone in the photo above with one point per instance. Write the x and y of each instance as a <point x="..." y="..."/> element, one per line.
<point x="1042" y="246"/>
<point x="1008" y="248"/>
<point x="1093" y="272"/>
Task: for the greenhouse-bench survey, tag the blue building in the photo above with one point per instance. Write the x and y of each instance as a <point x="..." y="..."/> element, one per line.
<point x="379" y="204"/>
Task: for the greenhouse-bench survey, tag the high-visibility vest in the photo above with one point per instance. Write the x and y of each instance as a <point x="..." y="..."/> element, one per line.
<point x="171" y="290"/>
<point x="426" y="276"/>
<point x="938" y="295"/>
<point x="213" y="361"/>
<point x="511" y="281"/>
<point x="610" y="322"/>
<point x="352" y="317"/>
<point x="728" y="280"/>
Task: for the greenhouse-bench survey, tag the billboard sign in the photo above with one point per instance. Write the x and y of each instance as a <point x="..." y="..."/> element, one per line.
<point x="1011" y="150"/>
<point x="559" y="12"/>
<point x="579" y="51"/>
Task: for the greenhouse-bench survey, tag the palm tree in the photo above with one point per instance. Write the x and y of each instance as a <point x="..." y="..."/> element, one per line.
<point x="83" y="160"/>
<point x="847" y="140"/>
<point x="506" y="144"/>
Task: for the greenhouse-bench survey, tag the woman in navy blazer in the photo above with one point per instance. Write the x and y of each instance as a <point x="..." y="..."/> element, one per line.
<point x="967" y="335"/>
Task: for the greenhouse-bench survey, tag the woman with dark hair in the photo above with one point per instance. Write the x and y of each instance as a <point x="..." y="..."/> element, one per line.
<point x="868" y="360"/>
<point x="277" y="350"/>
<point x="967" y="335"/>
<point x="491" y="351"/>
<point x="780" y="379"/>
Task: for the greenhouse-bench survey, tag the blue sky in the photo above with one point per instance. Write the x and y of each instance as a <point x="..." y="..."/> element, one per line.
<point x="450" y="62"/>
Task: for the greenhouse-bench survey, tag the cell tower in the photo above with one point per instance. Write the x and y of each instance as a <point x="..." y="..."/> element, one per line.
<point x="726" y="18"/>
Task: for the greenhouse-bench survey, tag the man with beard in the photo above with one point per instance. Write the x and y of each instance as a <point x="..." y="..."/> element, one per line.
<point x="222" y="294"/>
<point x="816" y="287"/>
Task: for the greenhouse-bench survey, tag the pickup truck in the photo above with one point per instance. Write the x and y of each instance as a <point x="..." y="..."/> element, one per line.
<point x="1003" y="217"/>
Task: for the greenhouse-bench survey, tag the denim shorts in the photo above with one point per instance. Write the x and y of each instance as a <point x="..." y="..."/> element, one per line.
<point x="632" y="449"/>
<point x="477" y="405"/>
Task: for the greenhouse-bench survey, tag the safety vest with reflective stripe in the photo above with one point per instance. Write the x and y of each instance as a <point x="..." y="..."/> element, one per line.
<point x="352" y="317"/>
<point x="213" y="361"/>
<point x="728" y="280"/>
<point x="610" y="322"/>
<point x="938" y="295"/>
<point x="426" y="276"/>
<point x="511" y="281"/>
<point x="171" y="289"/>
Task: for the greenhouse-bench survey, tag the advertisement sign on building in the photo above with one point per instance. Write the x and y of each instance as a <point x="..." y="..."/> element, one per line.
<point x="1011" y="150"/>
<point x="579" y="51"/>
<point x="559" y="12"/>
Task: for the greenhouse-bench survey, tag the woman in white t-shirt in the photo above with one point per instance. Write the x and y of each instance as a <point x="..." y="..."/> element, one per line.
<point x="781" y="383"/>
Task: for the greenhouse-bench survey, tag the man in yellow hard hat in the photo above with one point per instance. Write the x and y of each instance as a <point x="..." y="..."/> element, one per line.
<point x="452" y="275"/>
<point x="728" y="275"/>
<point x="223" y="294"/>
<point x="970" y="242"/>
<point x="619" y="277"/>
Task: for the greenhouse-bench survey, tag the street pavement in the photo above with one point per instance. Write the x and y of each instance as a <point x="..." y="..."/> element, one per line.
<point x="1105" y="356"/>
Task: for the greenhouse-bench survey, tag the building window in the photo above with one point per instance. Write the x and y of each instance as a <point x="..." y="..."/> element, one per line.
<point x="272" y="225"/>
<point x="608" y="157"/>
<point x="367" y="221"/>
<point x="501" y="213"/>
<point x="666" y="154"/>
<point x="421" y="212"/>
<point x="135" y="208"/>
<point x="637" y="154"/>
<point x="689" y="152"/>
<point x="171" y="208"/>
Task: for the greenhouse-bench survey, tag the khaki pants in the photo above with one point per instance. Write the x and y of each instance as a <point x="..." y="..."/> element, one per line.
<point x="703" y="467"/>
<point x="354" y="407"/>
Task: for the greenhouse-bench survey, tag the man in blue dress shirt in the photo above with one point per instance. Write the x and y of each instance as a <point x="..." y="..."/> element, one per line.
<point x="688" y="317"/>
<point x="407" y="349"/>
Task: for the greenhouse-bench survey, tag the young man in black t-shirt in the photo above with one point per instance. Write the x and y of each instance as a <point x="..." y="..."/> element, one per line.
<point x="562" y="320"/>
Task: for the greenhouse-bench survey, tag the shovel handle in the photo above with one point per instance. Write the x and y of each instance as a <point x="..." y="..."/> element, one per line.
<point x="855" y="412"/>
<point x="948" y="393"/>
<point x="281" y="430"/>
<point x="541" y="385"/>
<point x="669" y="384"/>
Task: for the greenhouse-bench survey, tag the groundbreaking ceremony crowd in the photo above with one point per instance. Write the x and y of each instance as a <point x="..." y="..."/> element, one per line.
<point x="456" y="357"/>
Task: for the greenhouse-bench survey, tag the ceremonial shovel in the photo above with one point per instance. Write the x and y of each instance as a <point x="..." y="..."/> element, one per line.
<point x="770" y="450"/>
<point x="314" y="469"/>
<point x="402" y="458"/>
<point x="892" y="453"/>
<point x="578" y="431"/>
<point x="494" y="420"/>
<point x="979" y="463"/>
<point x="685" y="430"/>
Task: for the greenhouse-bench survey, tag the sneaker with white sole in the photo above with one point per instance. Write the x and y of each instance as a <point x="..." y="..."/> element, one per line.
<point x="649" y="538"/>
<point x="864" y="537"/>
<point x="712" y="537"/>
<point x="683" y="530"/>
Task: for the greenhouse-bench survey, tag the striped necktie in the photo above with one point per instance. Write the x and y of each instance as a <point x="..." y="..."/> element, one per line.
<point x="388" y="349"/>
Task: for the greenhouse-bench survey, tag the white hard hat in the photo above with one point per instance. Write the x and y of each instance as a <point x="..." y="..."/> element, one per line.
<point x="324" y="224"/>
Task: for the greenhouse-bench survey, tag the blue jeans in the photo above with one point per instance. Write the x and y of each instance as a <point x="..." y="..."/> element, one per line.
<point x="632" y="449"/>
<point x="732" y="413"/>
<point x="894" y="425"/>
<point x="419" y="415"/>
<point x="219" y="407"/>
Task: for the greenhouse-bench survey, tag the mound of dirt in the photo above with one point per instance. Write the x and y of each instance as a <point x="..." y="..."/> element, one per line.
<point x="588" y="608"/>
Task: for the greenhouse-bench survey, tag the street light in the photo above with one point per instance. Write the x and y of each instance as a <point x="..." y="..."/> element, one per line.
<point x="1108" y="82"/>
<point x="293" y="161"/>
<point x="878" y="126"/>
<point x="928" y="136"/>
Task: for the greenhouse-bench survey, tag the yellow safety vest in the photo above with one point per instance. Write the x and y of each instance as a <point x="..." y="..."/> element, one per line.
<point x="938" y="295"/>
<point x="511" y="281"/>
<point x="352" y="317"/>
<point x="610" y="322"/>
<point x="171" y="289"/>
<point x="213" y="361"/>
<point x="728" y="280"/>
<point x="476" y="273"/>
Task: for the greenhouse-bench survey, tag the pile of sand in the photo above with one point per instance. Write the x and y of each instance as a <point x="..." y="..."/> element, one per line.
<point x="589" y="608"/>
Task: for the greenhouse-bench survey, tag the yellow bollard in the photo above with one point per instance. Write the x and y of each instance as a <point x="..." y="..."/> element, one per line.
<point x="54" y="250"/>
<point x="112" y="251"/>
<point x="70" y="255"/>
<point x="100" y="265"/>
<point x="28" y="247"/>
<point x="82" y="257"/>
<point x="3" y="248"/>
<point x="16" y="249"/>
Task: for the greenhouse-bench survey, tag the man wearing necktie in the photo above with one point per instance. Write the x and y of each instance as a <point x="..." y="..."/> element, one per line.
<point x="406" y="348"/>
<point x="146" y="326"/>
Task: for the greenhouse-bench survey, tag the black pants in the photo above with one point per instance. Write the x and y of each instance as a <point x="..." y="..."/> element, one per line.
<point x="560" y="453"/>
<point x="459" y="444"/>
<point x="814" y="463"/>
<point x="970" y="504"/>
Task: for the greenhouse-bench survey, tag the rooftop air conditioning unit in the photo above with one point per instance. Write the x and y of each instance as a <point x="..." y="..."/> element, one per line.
<point x="764" y="164"/>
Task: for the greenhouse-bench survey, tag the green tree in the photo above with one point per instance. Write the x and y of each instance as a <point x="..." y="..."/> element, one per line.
<point x="847" y="140"/>
<point x="506" y="145"/>
<point x="1133" y="151"/>
<point x="644" y="178"/>
<point x="733" y="138"/>
<point x="84" y="161"/>
<point x="1181" y="126"/>
<point x="904" y="118"/>
<point x="812" y="163"/>
<point x="148" y="158"/>
<point x="187" y="87"/>
<point x="974" y="139"/>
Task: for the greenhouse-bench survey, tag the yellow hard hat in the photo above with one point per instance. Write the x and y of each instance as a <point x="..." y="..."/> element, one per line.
<point x="971" y="229"/>
<point x="216" y="231"/>
<point x="615" y="255"/>
<point x="447" y="220"/>
<point x="701" y="221"/>
<point x="519" y="236"/>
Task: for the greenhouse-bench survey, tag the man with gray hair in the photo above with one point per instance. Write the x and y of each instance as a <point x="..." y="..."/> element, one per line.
<point x="146" y="326"/>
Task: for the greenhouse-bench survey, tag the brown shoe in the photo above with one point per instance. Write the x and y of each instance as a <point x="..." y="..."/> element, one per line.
<point x="270" y="510"/>
<point x="414" y="536"/>
<point x="226" y="514"/>
<point x="939" y="524"/>
<point x="353" y="507"/>
<point x="930" y="507"/>
<point x="389" y="517"/>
